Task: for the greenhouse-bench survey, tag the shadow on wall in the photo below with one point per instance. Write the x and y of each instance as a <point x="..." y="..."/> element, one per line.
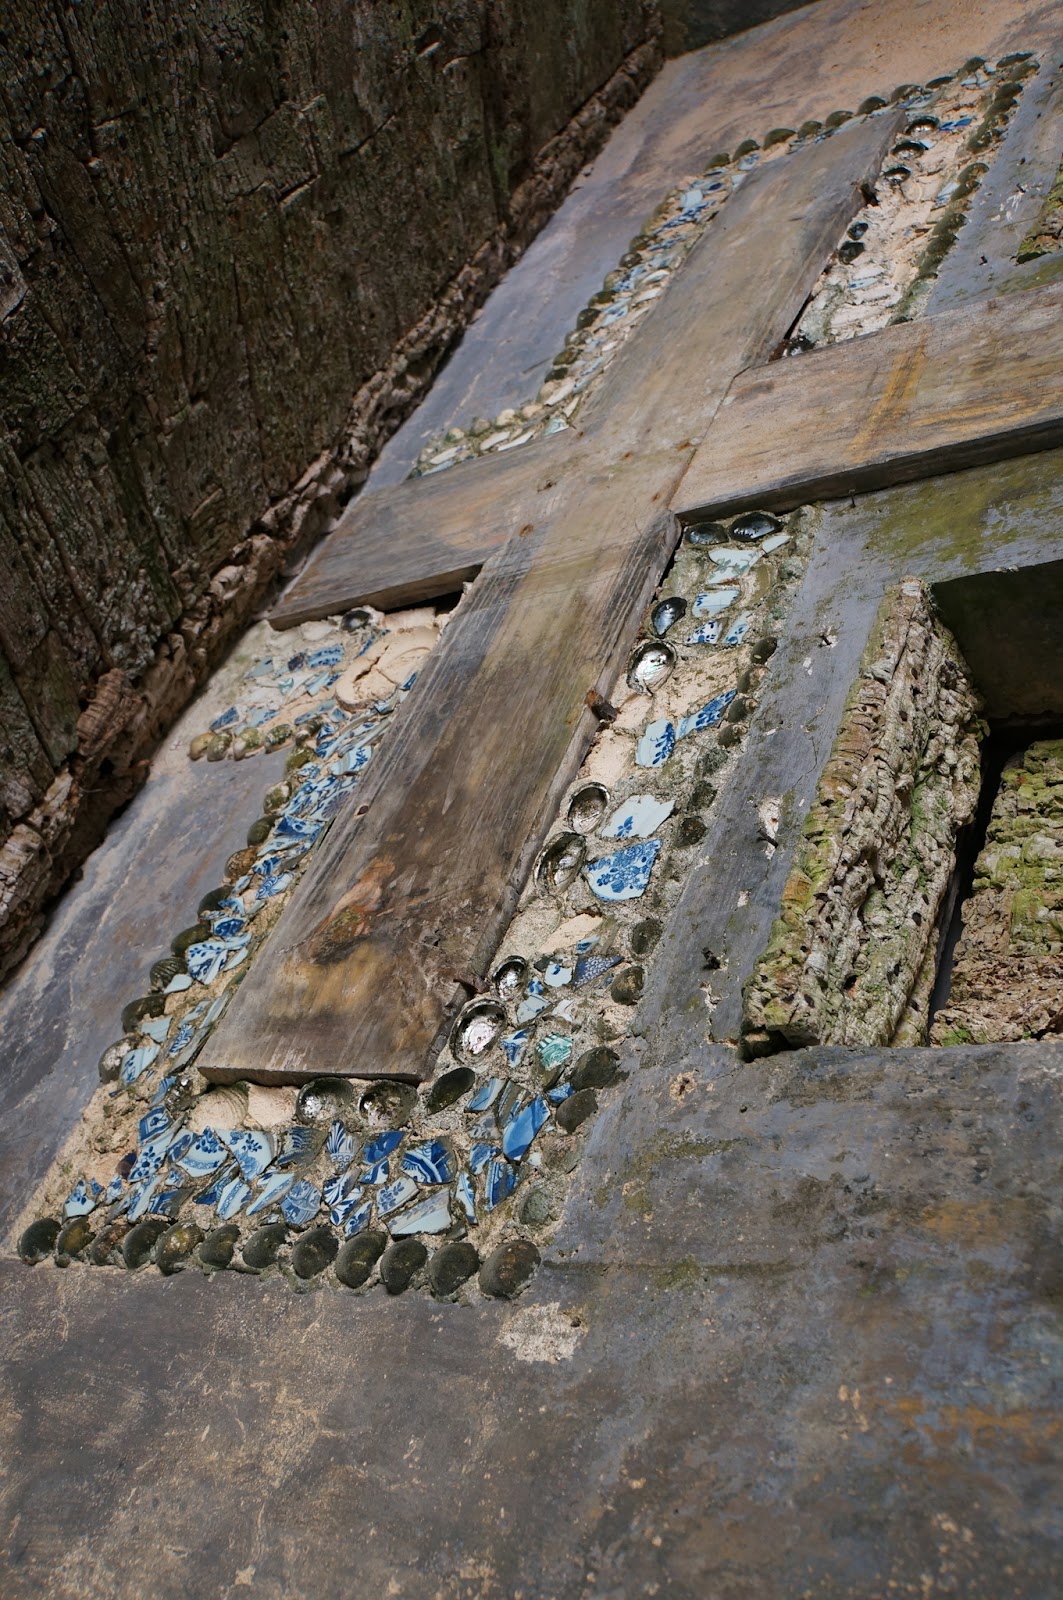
<point x="689" y="24"/>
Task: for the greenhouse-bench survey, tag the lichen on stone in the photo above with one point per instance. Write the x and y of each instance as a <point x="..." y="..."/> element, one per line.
<point x="857" y="931"/>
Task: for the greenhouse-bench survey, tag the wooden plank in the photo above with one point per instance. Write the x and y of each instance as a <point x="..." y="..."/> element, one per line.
<point x="426" y="537"/>
<point x="919" y="398"/>
<point x="413" y="893"/>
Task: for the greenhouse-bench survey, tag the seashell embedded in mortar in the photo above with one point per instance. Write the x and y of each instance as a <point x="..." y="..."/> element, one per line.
<point x="323" y="1100"/>
<point x="39" y="1239"/>
<point x="587" y="806"/>
<point x="651" y="663"/>
<point x="387" y="1104"/>
<point x="449" y="1088"/>
<point x="666" y="613"/>
<point x="705" y="533"/>
<point x="754" y="525"/>
<point x="560" y="863"/>
<point x="477" y="1028"/>
<point x="509" y="978"/>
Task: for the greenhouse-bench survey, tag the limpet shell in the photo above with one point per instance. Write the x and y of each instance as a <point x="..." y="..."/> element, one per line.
<point x="261" y="1247"/>
<point x="106" y="1247"/>
<point x="74" y="1238"/>
<point x="324" y="1099"/>
<point x="509" y="978"/>
<point x="358" y="1257"/>
<point x="651" y="663"/>
<point x="666" y="613"/>
<point x="39" y="1239"/>
<point x="164" y="971"/>
<point x="176" y="1245"/>
<point x="754" y="525"/>
<point x="387" y="1104"/>
<point x="316" y="1250"/>
<point x="703" y="533"/>
<point x="141" y="1240"/>
<point x="449" y="1088"/>
<point x="477" y="1027"/>
<point x="587" y="806"/>
<point x="223" y="1106"/>
<point x="561" y="862"/>
<point x="216" y="1250"/>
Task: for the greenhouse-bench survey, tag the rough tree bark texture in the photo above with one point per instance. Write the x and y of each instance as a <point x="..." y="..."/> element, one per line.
<point x="235" y="242"/>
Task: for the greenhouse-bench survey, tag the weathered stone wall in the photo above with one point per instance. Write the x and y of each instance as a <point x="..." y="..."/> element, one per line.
<point x="235" y="243"/>
<point x="851" y="956"/>
<point x="1007" y="977"/>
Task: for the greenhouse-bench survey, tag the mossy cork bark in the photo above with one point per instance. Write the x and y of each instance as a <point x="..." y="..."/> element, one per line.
<point x="235" y="243"/>
<point x="851" y="956"/>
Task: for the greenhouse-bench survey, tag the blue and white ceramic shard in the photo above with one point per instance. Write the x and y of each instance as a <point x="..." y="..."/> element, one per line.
<point x="297" y="1144"/>
<point x="229" y="927"/>
<point x="340" y="1146"/>
<point x="382" y="1145"/>
<point x="561" y="1092"/>
<point x="253" y="1151"/>
<point x="480" y="1155"/>
<point x="520" y="1130"/>
<point x="486" y="1094"/>
<point x="394" y="1195"/>
<point x="467" y="1195"/>
<point x="775" y="542"/>
<point x="152" y="1122"/>
<point x="500" y="1181"/>
<point x="343" y="1187"/>
<point x="431" y="1215"/>
<point x="276" y="1185"/>
<point x="183" y="1037"/>
<point x="113" y="1190"/>
<point x="225" y="720"/>
<point x="166" y="1202"/>
<point x="705" y="633"/>
<point x="261" y="715"/>
<point x="217" y="1187"/>
<point x="557" y="976"/>
<point x="656" y="744"/>
<point x="156" y="1028"/>
<point x="530" y="1007"/>
<point x="712" y="601"/>
<point x="626" y="873"/>
<point x="588" y="968"/>
<point x="150" y="1157"/>
<point x="204" y="1155"/>
<point x="429" y="1163"/>
<point x="514" y="1045"/>
<point x="738" y="630"/>
<point x="205" y="960"/>
<point x="180" y="1143"/>
<point x="301" y="1204"/>
<point x="141" y="1197"/>
<point x="358" y="1219"/>
<point x="178" y="983"/>
<point x="734" y="559"/>
<point x="377" y="1172"/>
<point x="328" y="655"/>
<point x="637" y="817"/>
<point x="295" y="828"/>
<point x="708" y="716"/>
<point x="137" y="1061"/>
<point x="83" y="1198"/>
<point x="352" y="761"/>
<point x="273" y="885"/>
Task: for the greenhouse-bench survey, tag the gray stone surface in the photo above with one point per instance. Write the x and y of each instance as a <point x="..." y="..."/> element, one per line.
<point x="801" y="1330"/>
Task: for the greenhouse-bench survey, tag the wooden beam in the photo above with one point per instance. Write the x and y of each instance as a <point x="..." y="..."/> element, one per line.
<point x="917" y="399"/>
<point x="426" y="537"/>
<point x="415" y="883"/>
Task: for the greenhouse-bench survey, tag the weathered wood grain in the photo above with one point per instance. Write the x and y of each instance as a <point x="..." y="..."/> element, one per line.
<point x="426" y="537"/>
<point x="920" y="398"/>
<point x="411" y="890"/>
